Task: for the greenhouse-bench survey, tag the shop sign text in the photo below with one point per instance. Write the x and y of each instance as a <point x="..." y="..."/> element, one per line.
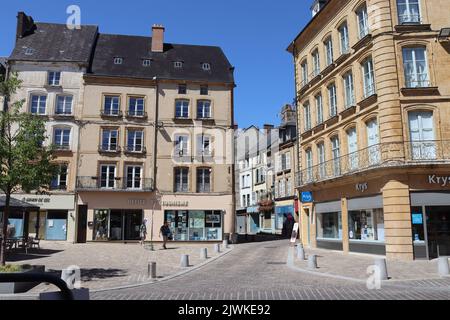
<point x="442" y="181"/>
<point x="178" y="204"/>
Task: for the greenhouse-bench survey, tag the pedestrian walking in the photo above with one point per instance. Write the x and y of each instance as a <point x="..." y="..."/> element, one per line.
<point x="143" y="232"/>
<point x="165" y="233"/>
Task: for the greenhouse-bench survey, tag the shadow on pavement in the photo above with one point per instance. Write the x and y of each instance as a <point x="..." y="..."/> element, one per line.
<point x="96" y="274"/>
<point x="20" y="255"/>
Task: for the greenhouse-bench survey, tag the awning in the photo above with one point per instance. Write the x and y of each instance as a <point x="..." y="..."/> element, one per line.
<point x="17" y="205"/>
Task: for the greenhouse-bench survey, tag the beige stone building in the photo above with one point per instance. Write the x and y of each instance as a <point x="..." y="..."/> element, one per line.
<point x="144" y="130"/>
<point x="373" y="115"/>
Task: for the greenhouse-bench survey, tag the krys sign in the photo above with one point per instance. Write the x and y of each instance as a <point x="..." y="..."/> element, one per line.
<point x="443" y="181"/>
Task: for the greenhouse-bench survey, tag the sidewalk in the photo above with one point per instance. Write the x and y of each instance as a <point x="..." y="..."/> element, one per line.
<point x="354" y="266"/>
<point x="110" y="265"/>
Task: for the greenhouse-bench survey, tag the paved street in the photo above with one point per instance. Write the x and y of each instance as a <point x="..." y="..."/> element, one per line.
<point x="259" y="271"/>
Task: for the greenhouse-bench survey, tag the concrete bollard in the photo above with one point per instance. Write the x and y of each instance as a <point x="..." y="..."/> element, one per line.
<point x="152" y="270"/>
<point x="443" y="266"/>
<point x="217" y="248"/>
<point x="204" y="253"/>
<point x="185" y="261"/>
<point x="300" y="253"/>
<point x="225" y="244"/>
<point x="382" y="265"/>
<point x="312" y="262"/>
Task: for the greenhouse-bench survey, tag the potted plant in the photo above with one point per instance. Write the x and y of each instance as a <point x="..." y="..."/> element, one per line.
<point x="19" y="287"/>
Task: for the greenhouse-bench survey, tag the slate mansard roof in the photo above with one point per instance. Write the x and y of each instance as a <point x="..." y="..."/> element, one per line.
<point x="134" y="49"/>
<point x="56" y="43"/>
<point x="50" y="42"/>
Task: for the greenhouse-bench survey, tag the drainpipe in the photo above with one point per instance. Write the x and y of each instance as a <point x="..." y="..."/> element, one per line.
<point x="155" y="134"/>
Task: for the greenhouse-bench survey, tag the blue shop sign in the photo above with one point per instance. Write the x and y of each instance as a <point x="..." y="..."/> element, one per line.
<point x="307" y="197"/>
<point x="417" y="218"/>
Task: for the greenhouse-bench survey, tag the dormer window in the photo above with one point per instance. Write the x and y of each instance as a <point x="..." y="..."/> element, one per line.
<point x="206" y="66"/>
<point x="178" y="64"/>
<point x="29" y="51"/>
<point x="54" y="78"/>
<point x="118" y="60"/>
<point x="146" y="62"/>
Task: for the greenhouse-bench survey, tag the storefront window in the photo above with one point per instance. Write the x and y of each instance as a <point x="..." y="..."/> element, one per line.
<point x="101" y="225"/>
<point x="329" y="225"/>
<point x="417" y="224"/>
<point x="366" y="225"/>
<point x="195" y="225"/>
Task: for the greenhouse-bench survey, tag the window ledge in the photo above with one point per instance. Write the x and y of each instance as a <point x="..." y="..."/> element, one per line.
<point x="409" y="27"/>
<point x="362" y="42"/>
<point x="342" y="58"/>
<point x="64" y="116"/>
<point x="182" y="120"/>
<point x="318" y="128"/>
<point x="50" y="87"/>
<point x="348" y="112"/>
<point x="368" y="101"/>
<point x="425" y="91"/>
<point x="328" y="69"/>
<point x="307" y="134"/>
<point x="332" y="121"/>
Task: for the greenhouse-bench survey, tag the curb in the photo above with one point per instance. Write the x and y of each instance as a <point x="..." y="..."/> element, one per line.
<point x="181" y="273"/>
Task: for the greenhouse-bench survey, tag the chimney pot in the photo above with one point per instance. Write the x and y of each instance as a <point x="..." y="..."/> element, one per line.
<point x="158" y="38"/>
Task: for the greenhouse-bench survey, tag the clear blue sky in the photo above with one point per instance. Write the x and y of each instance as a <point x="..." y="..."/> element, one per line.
<point x="254" y="35"/>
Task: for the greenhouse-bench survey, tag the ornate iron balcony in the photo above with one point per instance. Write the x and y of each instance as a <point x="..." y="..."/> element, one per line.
<point x="378" y="156"/>
<point x="118" y="184"/>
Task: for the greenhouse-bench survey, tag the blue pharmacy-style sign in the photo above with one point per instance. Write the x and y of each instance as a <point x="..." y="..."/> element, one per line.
<point x="417" y="218"/>
<point x="307" y="197"/>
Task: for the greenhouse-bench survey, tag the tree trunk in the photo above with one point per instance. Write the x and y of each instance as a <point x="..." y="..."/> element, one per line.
<point x="5" y="229"/>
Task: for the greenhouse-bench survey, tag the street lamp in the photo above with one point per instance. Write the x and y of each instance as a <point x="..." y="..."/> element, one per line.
<point x="157" y="200"/>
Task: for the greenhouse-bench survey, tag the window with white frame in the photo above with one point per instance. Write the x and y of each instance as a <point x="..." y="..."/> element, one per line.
<point x="316" y="63"/>
<point x="110" y="140"/>
<point x="408" y="11"/>
<point x="307" y="116"/>
<point x="321" y="159"/>
<point x="349" y="90"/>
<point x="319" y="108"/>
<point x="61" y="138"/>
<point x="54" y="78"/>
<point x="352" y="143"/>
<point x="59" y="181"/>
<point x="38" y="104"/>
<point x="182" y="109"/>
<point x="368" y="77"/>
<point x="332" y="100"/>
<point x="64" y="105"/>
<point x="309" y="165"/>
<point x="111" y="105"/>
<point x="118" y="60"/>
<point x="136" y="106"/>
<point x="181" y="180"/>
<point x="146" y="62"/>
<point x="206" y="66"/>
<point x="363" y="21"/>
<point x="304" y="68"/>
<point x="108" y="176"/>
<point x="373" y="141"/>
<point x="204" y="180"/>
<point x="336" y="153"/>
<point x="288" y="187"/>
<point x="421" y="130"/>
<point x="134" y="177"/>
<point x="329" y="50"/>
<point x="178" y="64"/>
<point x="344" y="39"/>
<point x="415" y="65"/>
<point x="281" y="189"/>
<point x="204" y="109"/>
<point x="135" y="141"/>
<point x="181" y="145"/>
<point x="203" y="145"/>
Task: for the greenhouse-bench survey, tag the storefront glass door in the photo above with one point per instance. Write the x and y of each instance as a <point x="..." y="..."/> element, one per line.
<point x="438" y="231"/>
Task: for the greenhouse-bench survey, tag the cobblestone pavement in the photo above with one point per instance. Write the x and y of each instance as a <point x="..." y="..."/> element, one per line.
<point x="261" y="271"/>
<point x="109" y="265"/>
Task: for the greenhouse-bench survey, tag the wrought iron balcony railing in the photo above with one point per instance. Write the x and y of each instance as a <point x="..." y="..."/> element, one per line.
<point x="118" y="184"/>
<point x="378" y="156"/>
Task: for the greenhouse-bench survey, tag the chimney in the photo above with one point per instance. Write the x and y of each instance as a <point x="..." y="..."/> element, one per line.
<point x="158" y="38"/>
<point x="25" y="25"/>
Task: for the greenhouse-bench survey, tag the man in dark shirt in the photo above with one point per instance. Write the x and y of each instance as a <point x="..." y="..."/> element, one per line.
<point x="165" y="233"/>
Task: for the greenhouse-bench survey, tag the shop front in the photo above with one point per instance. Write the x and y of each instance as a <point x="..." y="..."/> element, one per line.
<point x="254" y="220"/>
<point x="329" y="225"/>
<point x="55" y="221"/>
<point x="282" y="210"/>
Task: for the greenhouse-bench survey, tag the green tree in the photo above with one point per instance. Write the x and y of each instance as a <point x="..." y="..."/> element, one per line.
<point x="25" y="162"/>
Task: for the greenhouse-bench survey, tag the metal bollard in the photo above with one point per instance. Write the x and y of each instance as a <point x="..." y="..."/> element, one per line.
<point x="152" y="270"/>
<point x="185" y="261"/>
<point x="225" y="244"/>
<point x="217" y="248"/>
<point x="312" y="262"/>
<point x="300" y="253"/>
<point x="382" y="265"/>
<point x="204" y="253"/>
<point x="443" y="266"/>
